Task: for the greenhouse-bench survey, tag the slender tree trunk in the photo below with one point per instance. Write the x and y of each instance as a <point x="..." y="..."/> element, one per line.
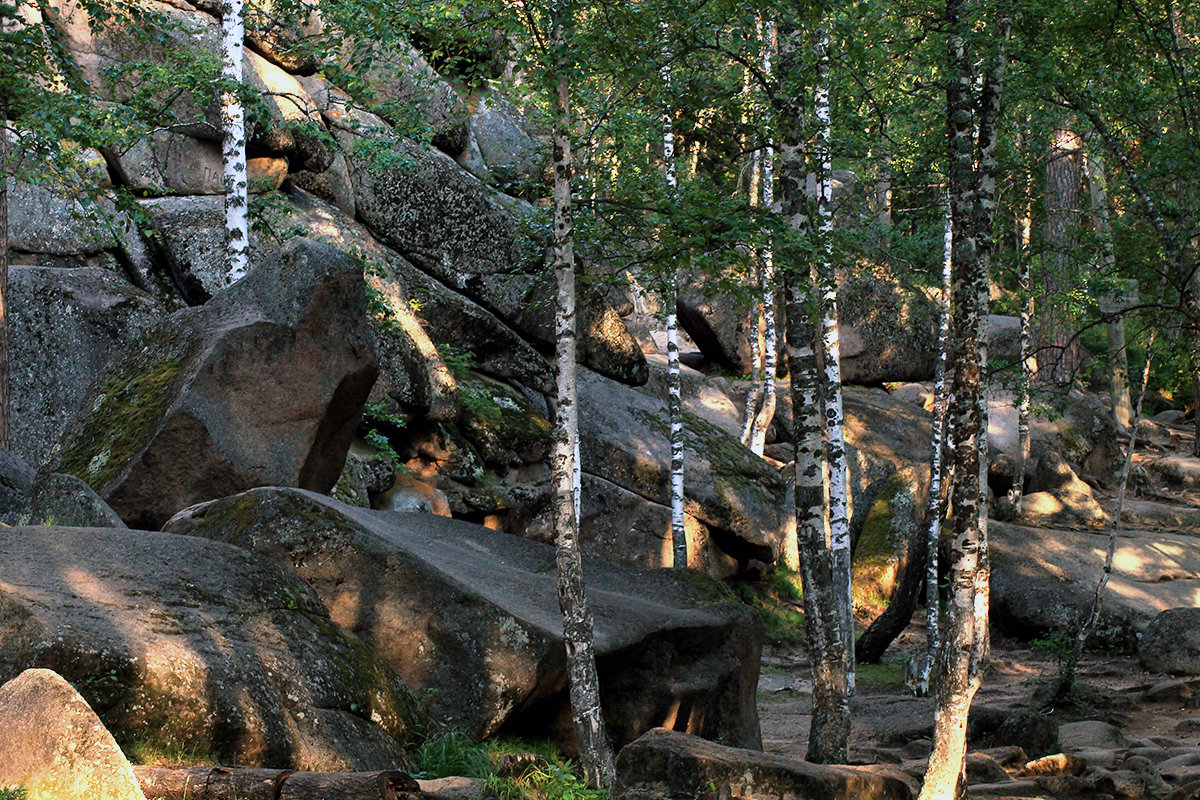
<point x="936" y="507"/>
<point x="679" y="547"/>
<point x="766" y="280"/>
<point x="1025" y="368"/>
<point x="835" y="441"/>
<point x="595" y="752"/>
<point x="1062" y="197"/>
<point x="5" y="170"/>
<point x="233" y="147"/>
<point x="1118" y="359"/>
<point x="751" y="117"/>
<point x="829" y="733"/>
<point x="1066" y="674"/>
<point x="972" y="195"/>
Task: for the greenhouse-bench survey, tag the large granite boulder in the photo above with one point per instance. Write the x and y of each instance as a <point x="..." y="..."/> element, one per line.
<point x="1171" y="642"/>
<point x="1078" y="427"/>
<point x="76" y="320"/>
<point x="511" y="155"/>
<point x="1043" y="580"/>
<point x="186" y="645"/>
<point x="624" y="439"/>
<point x="887" y="330"/>
<point x="16" y="482"/>
<point x="54" y="745"/>
<point x="264" y="385"/>
<point x="57" y="499"/>
<point x="666" y="763"/>
<point x="470" y="617"/>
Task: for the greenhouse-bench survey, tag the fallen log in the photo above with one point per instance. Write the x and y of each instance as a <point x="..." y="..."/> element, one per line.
<point x="252" y="783"/>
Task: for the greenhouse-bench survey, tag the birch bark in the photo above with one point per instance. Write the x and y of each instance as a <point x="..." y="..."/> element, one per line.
<point x="766" y="278"/>
<point x="679" y="547"/>
<point x="233" y="146"/>
<point x="829" y="732"/>
<point x="835" y="442"/>
<point x="595" y="753"/>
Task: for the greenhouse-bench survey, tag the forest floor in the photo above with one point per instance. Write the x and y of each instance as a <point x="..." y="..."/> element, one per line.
<point x="1157" y="714"/>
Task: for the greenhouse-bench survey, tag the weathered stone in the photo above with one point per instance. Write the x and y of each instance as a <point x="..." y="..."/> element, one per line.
<point x="41" y="220"/>
<point x="665" y="763"/>
<point x="1000" y="727"/>
<point x="471" y="616"/>
<point x="1171" y="642"/>
<point x="1049" y="510"/>
<point x="334" y="185"/>
<point x="1057" y="764"/>
<point x="1091" y="733"/>
<point x="713" y="399"/>
<point x="16" y="482"/>
<point x="264" y="385"/>
<point x="1081" y="431"/>
<point x="895" y="325"/>
<point x="187" y="645"/>
<point x="411" y="495"/>
<point x="511" y="155"/>
<point x="77" y="320"/>
<point x="293" y="123"/>
<point x="624" y="440"/>
<point x="167" y="162"/>
<point x="1043" y="580"/>
<point x="58" y="499"/>
<point x="55" y="747"/>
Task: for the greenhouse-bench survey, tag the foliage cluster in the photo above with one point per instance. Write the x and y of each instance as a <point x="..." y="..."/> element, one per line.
<point x="513" y="769"/>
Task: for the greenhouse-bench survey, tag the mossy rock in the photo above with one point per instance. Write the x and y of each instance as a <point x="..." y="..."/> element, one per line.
<point x="890" y="526"/>
<point x="504" y="427"/>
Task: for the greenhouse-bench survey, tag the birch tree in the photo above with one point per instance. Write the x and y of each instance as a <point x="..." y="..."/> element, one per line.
<point x="233" y="145"/>
<point x="595" y="753"/>
<point x="829" y="731"/>
<point x="5" y="425"/>
<point x="972" y="126"/>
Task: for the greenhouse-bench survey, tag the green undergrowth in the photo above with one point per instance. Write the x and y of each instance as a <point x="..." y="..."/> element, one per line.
<point x="514" y="769"/>
<point x="880" y="676"/>
<point x="778" y="600"/>
<point x="13" y="793"/>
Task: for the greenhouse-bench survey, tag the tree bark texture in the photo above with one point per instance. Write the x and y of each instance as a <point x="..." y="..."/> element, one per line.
<point x="765" y="406"/>
<point x="252" y="783"/>
<point x="1059" y="355"/>
<point x="595" y="753"/>
<point x="829" y="732"/>
<point x="835" y="440"/>
<point x="5" y="170"/>
<point x="233" y="146"/>
<point x="972" y="131"/>
<point x="679" y="546"/>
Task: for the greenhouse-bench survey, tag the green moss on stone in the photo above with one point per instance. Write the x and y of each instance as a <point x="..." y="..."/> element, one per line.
<point x="127" y="409"/>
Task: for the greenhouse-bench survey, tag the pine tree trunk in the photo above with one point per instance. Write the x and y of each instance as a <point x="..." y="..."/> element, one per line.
<point x="835" y="441"/>
<point x="679" y="546"/>
<point x="972" y="197"/>
<point x="233" y="147"/>
<point x="595" y="753"/>
<point x="1060" y="353"/>
<point x="1118" y="359"/>
<point x="829" y="732"/>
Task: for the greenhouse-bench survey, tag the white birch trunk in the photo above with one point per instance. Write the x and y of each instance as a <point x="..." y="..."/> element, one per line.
<point x="233" y="146"/>
<point x="679" y="546"/>
<point x="829" y="732"/>
<point x="5" y="422"/>
<point x="766" y="281"/>
<point x="835" y="443"/>
<point x="595" y="754"/>
<point x="936" y="507"/>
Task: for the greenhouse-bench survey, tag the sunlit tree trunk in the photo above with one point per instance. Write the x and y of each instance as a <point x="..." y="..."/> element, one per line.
<point x="829" y="732"/>
<point x="233" y="147"/>
<point x="972" y="195"/>
<point x="679" y="546"/>
<point x="1025" y="368"/>
<point x="5" y="170"/>
<point x="835" y="441"/>
<point x="595" y="754"/>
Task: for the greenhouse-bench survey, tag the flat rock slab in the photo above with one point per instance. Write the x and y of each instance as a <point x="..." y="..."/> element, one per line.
<point x="470" y="617"/>
<point x="665" y="763"/>
<point x="187" y="645"/>
<point x="55" y="746"/>
<point x="1044" y="579"/>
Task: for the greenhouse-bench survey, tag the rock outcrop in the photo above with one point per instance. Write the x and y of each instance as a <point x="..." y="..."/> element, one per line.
<point x="54" y="745"/>
<point x="1171" y="642"/>
<point x="187" y="645"/>
<point x="470" y="617"/>
<point x="263" y="385"/>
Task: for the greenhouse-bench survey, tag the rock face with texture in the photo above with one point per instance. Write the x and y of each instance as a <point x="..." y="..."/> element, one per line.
<point x="16" y="482"/>
<point x="624" y="440"/>
<point x="58" y="499"/>
<point x="470" y="616"/>
<point x="55" y="746"/>
<point x="1171" y="642"/>
<point x="77" y="320"/>
<point x="666" y="763"/>
<point x="261" y="386"/>
<point x="188" y="645"/>
<point x="1043" y="580"/>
